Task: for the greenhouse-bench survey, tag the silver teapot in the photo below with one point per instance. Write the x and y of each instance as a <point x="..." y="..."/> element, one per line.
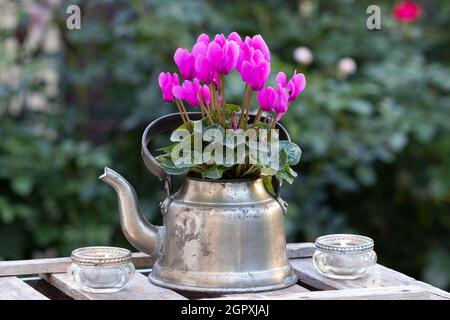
<point x="220" y="236"/>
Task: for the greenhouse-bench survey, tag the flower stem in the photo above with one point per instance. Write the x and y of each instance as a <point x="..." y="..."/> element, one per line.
<point x="274" y="122"/>
<point x="233" y="115"/>
<point x="204" y="109"/>
<point x="181" y="111"/>
<point x="257" y="118"/>
<point x="211" y="93"/>
<point x="219" y="110"/>
<point x="247" y="108"/>
<point x="184" y="110"/>
<point x="272" y="126"/>
<point x="222" y="89"/>
<point x="243" y="105"/>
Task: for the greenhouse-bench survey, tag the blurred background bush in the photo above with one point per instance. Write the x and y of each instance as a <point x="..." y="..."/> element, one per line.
<point x="373" y="122"/>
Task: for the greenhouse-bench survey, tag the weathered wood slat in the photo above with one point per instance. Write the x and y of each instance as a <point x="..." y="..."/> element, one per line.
<point x="57" y="265"/>
<point x="381" y="277"/>
<point x="380" y="293"/>
<point x="300" y="250"/>
<point x="138" y="289"/>
<point x="294" y="289"/>
<point x="12" y="288"/>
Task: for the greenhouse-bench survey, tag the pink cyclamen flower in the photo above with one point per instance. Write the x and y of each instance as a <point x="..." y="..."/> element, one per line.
<point x="188" y="92"/>
<point x="205" y="94"/>
<point x="222" y="54"/>
<point x="203" y="69"/>
<point x="250" y="48"/>
<point x="407" y="11"/>
<point x="235" y="37"/>
<point x="295" y="85"/>
<point x="203" y="38"/>
<point x="281" y="102"/>
<point x="166" y="82"/>
<point x="258" y="43"/>
<point x="266" y="98"/>
<point x="185" y="62"/>
<point x="255" y="71"/>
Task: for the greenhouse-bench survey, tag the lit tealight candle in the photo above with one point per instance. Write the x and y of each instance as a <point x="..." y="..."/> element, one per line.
<point x="344" y="256"/>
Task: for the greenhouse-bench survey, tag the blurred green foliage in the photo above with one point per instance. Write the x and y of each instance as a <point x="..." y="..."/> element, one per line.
<point x="376" y="144"/>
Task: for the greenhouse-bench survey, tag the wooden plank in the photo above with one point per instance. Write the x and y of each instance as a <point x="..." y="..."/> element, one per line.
<point x="294" y="289"/>
<point x="381" y="293"/>
<point x="300" y="250"/>
<point x="57" y="265"/>
<point x="381" y="277"/>
<point x="12" y="288"/>
<point x="140" y="288"/>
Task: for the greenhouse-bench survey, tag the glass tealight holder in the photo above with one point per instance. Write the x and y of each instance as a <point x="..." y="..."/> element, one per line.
<point x="101" y="269"/>
<point x="344" y="256"/>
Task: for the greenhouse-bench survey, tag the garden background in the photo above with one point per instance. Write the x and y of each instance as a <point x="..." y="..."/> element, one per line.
<point x="375" y="134"/>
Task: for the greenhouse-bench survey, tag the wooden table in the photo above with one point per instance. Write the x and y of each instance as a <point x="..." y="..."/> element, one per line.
<point x="50" y="281"/>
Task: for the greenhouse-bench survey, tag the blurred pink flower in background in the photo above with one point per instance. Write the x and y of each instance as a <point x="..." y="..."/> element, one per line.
<point x="303" y="56"/>
<point x="407" y="11"/>
<point x="346" y="66"/>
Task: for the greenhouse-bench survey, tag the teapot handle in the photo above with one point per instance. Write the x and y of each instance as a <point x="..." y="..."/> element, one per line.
<point x="171" y="122"/>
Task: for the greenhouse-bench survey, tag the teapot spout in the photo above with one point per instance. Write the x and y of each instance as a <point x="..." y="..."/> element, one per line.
<point x="140" y="233"/>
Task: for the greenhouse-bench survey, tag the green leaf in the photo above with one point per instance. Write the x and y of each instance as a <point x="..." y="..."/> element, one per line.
<point x="268" y="183"/>
<point x="180" y="134"/>
<point x="267" y="171"/>
<point x="170" y="168"/>
<point x="167" y="149"/>
<point x="230" y="108"/>
<point x="293" y="151"/>
<point x="287" y="174"/>
<point x="213" y="172"/>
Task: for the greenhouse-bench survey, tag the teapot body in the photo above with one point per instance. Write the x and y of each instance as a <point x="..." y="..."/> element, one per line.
<point x="218" y="236"/>
<point x="223" y="236"/>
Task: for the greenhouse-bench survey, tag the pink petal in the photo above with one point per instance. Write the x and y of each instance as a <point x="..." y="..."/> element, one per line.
<point x="257" y="42"/>
<point x="175" y="79"/>
<point x="199" y="48"/>
<point x="220" y="39"/>
<point x="231" y="56"/>
<point x="185" y="62"/>
<point x="281" y="79"/>
<point x="214" y="55"/>
<point x="203" y="70"/>
<point x="234" y="36"/>
<point x="162" y="79"/>
<point x="246" y="70"/>
<point x="178" y="92"/>
<point x="203" y="38"/>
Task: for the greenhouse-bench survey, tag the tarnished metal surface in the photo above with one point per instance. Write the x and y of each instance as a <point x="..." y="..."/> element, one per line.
<point x="224" y="237"/>
<point x="142" y="235"/>
<point x="218" y="236"/>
